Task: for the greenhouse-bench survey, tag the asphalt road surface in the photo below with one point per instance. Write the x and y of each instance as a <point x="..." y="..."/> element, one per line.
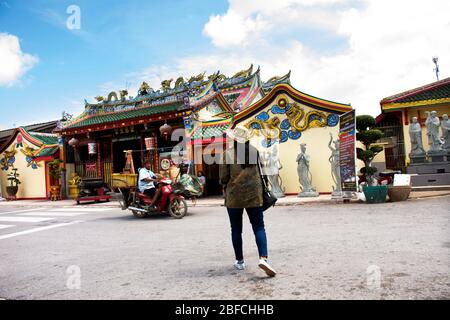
<point x="321" y="251"/>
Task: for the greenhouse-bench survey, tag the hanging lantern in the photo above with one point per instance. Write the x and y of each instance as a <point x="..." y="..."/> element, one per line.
<point x="92" y="148"/>
<point x="150" y="143"/>
<point x="165" y="130"/>
<point x="73" y="142"/>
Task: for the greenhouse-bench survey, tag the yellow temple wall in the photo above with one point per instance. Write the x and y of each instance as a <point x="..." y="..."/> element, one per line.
<point x="33" y="181"/>
<point x="316" y="140"/>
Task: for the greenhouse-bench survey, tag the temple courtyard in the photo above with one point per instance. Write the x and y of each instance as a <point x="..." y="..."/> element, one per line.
<point x="322" y="250"/>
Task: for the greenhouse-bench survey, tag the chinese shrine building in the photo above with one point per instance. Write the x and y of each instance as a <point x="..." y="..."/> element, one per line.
<point x="202" y="108"/>
<point x="395" y="121"/>
<point x="397" y="112"/>
<point x="29" y="153"/>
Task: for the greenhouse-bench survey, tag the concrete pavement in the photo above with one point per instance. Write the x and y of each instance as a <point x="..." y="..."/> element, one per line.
<point x="321" y="251"/>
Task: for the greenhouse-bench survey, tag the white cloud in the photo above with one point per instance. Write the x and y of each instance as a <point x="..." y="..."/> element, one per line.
<point x="388" y="48"/>
<point x="13" y="62"/>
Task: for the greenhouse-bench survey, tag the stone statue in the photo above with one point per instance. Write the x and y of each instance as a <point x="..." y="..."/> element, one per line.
<point x="445" y="127"/>
<point x="433" y="125"/>
<point x="335" y="165"/>
<point x="304" y="174"/>
<point x="271" y="168"/>
<point x="415" y="135"/>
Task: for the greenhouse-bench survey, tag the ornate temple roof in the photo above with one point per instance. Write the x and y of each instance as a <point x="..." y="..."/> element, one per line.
<point x="236" y="93"/>
<point x="430" y="94"/>
<point x="47" y="142"/>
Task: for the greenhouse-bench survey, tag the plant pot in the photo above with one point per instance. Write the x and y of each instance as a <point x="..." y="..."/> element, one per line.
<point x="73" y="191"/>
<point x="55" y="193"/>
<point x="400" y="193"/>
<point x="375" y="194"/>
<point x="12" y="191"/>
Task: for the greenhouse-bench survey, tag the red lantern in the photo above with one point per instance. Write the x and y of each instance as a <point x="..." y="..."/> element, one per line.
<point x="92" y="148"/>
<point x="165" y="130"/>
<point x="73" y="142"/>
<point x="150" y="143"/>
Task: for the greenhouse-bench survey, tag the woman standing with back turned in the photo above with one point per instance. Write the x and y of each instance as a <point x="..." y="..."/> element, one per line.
<point x="240" y="175"/>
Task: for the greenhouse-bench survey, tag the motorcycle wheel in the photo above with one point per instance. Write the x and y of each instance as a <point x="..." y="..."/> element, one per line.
<point x="122" y="201"/>
<point x="178" y="208"/>
<point x="139" y="214"/>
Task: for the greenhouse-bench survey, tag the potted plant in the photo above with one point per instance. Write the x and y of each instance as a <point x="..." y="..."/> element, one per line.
<point x="14" y="182"/>
<point x="368" y="135"/>
<point x="55" y="170"/>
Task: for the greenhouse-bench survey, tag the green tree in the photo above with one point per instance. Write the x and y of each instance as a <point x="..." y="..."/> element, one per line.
<point x="55" y="169"/>
<point x="368" y="135"/>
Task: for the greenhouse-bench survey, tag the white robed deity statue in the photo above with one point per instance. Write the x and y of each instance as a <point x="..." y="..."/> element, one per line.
<point x="433" y="124"/>
<point x="335" y="164"/>
<point x="415" y="135"/>
<point x="445" y="127"/>
<point x="271" y="166"/>
<point x="304" y="174"/>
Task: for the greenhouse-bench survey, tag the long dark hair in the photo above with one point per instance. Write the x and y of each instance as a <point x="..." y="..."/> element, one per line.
<point x="246" y="154"/>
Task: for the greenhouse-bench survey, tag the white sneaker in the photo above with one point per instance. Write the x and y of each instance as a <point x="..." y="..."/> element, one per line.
<point x="240" y="265"/>
<point x="267" y="268"/>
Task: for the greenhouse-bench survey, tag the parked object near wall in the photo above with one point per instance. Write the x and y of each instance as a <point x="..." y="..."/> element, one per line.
<point x="74" y="185"/>
<point x="401" y="188"/>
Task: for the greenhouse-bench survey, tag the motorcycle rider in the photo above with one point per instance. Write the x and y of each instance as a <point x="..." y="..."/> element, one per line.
<point x="147" y="180"/>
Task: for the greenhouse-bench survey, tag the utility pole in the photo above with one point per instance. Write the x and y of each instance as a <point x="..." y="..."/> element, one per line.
<point x="436" y="69"/>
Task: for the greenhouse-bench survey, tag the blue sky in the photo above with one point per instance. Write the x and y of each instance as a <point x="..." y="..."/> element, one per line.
<point x="351" y="51"/>
<point x="116" y="37"/>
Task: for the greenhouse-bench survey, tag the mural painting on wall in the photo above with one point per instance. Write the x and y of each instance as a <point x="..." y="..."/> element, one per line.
<point x="296" y="120"/>
<point x="30" y="156"/>
<point x="9" y="157"/>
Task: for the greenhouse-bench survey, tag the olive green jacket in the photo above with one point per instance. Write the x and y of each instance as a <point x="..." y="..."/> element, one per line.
<point x="243" y="187"/>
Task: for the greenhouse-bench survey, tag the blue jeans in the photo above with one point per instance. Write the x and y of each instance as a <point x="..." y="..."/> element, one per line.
<point x="256" y="216"/>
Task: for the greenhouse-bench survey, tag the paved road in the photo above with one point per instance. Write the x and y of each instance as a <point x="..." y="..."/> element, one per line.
<point x="321" y="251"/>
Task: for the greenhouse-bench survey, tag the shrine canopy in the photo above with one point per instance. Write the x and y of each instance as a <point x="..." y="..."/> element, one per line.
<point x="29" y="153"/>
<point x="433" y="94"/>
<point x="36" y="146"/>
<point x="199" y="98"/>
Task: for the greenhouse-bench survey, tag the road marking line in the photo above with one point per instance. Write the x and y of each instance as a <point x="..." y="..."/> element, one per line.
<point x="7" y="212"/>
<point x="38" y="229"/>
<point x="4" y="226"/>
<point x="53" y="214"/>
<point x="24" y="219"/>
<point x="80" y="209"/>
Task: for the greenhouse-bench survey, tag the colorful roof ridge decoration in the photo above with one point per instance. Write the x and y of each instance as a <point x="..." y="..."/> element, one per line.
<point x="136" y="113"/>
<point x="302" y="97"/>
<point x="210" y="129"/>
<point x="272" y="82"/>
<point x="186" y="94"/>
<point x="431" y="94"/>
<point x="248" y="95"/>
<point x="42" y="140"/>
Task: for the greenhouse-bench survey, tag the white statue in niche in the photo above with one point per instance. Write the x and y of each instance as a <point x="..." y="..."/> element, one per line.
<point x="304" y="174"/>
<point x="433" y="123"/>
<point x="445" y="127"/>
<point x="335" y="164"/>
<point x="271" y="168"/>
<point x="415" y="135"/>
